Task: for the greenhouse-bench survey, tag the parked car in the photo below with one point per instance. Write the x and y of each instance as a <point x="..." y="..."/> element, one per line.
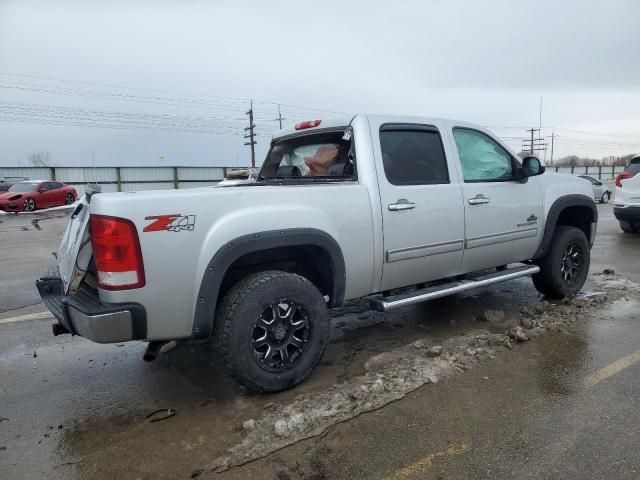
<point x="34" y="194"/>
<point x="600" y="192"/>
<point x="6" y="182"/>
<point x="256" y="267"/>
<point x="627" y="203"/>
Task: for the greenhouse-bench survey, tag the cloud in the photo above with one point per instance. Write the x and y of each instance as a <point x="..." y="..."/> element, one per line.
<point x="487" y="62"/>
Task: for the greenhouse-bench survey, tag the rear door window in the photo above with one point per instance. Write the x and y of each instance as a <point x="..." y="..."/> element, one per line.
<point x="413" y="155"/>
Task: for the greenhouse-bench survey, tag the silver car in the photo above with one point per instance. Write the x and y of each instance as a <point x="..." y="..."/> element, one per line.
<point x="600" y="192"/>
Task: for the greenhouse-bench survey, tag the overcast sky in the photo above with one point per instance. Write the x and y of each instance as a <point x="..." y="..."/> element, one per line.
<point x="189" y="67"/>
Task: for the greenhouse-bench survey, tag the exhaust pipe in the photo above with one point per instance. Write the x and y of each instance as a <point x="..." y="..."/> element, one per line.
<point x="153" y="349"/>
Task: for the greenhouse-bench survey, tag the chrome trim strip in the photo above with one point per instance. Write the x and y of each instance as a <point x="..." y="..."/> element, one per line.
<point x="424" y="250"/>
<point x="484" y="240"/>
<point x="458" y="287"/>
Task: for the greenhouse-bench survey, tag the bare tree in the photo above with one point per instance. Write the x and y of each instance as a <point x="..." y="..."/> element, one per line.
<point x="40" y="159"/>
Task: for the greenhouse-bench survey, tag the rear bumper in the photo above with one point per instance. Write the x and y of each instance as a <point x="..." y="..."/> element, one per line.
<point x="629" y="213"/>
<point x="83" y="314"/>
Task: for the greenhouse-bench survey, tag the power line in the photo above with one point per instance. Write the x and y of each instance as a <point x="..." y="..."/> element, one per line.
<point x="188" y="96"/>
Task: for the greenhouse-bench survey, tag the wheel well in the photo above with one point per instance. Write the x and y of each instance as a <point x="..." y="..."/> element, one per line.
<point x="310" y="261"/>
<point x="578" y="216"/>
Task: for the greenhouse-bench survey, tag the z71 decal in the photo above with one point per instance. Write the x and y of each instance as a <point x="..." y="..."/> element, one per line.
<point x="170" y="223"/>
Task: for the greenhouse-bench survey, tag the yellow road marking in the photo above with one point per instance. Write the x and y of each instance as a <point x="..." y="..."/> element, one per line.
<point x="612" y="369"/>
<point x="23" y="318"/>
<point x="425" y="463"/>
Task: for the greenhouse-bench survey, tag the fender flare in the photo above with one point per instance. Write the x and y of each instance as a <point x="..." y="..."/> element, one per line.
<point x="217" y="268"/>
<point x="574" y="200"/>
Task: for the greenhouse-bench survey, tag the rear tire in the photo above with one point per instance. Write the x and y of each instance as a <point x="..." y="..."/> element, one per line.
<point x="605" y="198"/>
<point x="627" y="227"/>
<point x="564" y="269"/>
<point x="275" y="328"/>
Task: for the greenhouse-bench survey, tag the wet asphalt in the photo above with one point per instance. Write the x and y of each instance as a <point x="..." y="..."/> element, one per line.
<point x="73" y="409"/>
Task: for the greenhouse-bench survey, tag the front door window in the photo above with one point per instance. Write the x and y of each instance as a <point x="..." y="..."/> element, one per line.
<point x="482" y="159"/>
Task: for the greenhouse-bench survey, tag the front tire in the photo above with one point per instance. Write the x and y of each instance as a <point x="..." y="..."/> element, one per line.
<point x="275" y="328"/>
<point x="69" y="199"/>
<point x="564" y="269"/>
<point x="29" y="205"/>
<point x="605" y="198"/>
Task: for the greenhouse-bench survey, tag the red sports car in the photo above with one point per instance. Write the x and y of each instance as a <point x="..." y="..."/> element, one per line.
<point x="33" y="194"/>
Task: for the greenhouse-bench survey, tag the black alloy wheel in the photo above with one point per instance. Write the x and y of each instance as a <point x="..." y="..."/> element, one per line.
<point x="280" y="335"/>
<point x="29" y="205"/>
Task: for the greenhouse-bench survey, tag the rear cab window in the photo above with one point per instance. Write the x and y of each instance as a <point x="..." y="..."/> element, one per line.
<point x="311" y="157"/>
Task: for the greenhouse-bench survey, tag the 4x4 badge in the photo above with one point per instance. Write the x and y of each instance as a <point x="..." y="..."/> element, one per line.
<point x="170" y="223"/>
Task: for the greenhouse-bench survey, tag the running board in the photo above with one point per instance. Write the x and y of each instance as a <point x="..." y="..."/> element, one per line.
<point x="385" y="304"/>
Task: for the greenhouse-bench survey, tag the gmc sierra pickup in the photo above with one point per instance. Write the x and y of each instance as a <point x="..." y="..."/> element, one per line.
<point x="398" y="209"/>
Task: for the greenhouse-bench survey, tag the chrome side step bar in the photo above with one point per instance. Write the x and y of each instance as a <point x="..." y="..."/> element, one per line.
<point x="384" y="304"/>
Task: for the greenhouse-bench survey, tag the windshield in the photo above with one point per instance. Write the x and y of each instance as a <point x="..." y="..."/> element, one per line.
<point x="318" y="155"/>
<point x="23" y="187"/>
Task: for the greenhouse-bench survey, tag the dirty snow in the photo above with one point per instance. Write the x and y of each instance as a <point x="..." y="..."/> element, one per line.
<point x="392" y="375"/>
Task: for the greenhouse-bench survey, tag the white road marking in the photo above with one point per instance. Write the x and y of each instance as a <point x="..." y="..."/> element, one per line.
<point x="24" y="318"/>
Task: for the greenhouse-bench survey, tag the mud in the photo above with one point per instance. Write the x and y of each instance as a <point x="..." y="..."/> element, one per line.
<point x="391" y="375"/>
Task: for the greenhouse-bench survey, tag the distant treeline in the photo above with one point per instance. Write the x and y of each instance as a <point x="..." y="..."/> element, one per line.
<point x="576" y="161"/>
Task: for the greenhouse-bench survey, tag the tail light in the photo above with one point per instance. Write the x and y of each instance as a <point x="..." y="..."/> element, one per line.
<point x="623" y="176"/>
<point x="309" y="124"/>
<point x="116" y="253"/>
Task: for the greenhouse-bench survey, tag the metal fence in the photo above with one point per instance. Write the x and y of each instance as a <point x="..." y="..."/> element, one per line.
<point x="601" y="172"/>
<point x="123" y="179"/>
<point x="126" y="179"/>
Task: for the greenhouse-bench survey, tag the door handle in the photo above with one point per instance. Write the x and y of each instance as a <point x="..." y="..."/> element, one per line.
<point x="401" y="204"/>
<point x="479" y="199"/>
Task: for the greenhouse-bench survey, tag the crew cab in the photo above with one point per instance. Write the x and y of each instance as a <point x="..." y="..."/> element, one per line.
<point x="394" y="208"/>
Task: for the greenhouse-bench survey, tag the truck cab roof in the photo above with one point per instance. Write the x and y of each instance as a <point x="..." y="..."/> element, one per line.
<point x="338" y="121"/>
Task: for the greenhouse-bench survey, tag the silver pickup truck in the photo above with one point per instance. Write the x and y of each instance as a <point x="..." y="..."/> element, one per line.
<point x="399" y="209"/>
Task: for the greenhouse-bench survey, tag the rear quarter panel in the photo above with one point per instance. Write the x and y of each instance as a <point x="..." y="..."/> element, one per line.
<point x="175" y="261"/>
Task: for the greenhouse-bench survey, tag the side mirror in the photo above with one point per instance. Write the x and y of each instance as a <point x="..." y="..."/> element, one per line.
<point x="42" y="190"/>
<point x="532" y="166"/>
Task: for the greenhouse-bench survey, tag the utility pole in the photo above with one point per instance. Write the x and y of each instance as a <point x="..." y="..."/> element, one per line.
<point x="251" y="135"/>
<point x="553" y="136"/>
<point x="540" y="118"/>
<point x="532" y="130"/>
<point x="279" y="117"/>
<point x="93" y="161"/>
<point x="533" y="144"/>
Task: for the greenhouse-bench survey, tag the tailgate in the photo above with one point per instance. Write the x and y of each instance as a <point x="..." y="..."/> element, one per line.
<point x="75" y="250"/>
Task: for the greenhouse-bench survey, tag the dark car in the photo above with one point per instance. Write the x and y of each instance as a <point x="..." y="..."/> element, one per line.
<point x="33" y="194"/>
<point x="6" y="182"/>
